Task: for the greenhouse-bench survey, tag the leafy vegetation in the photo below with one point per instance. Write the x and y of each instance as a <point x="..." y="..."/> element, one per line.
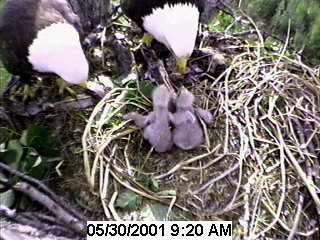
<point x="129" y="200"/>
<point x="222" y="21"/>
<point x="4" y="75"/>
<point x="1" y="3"/>
<point x="29" y="153"/>
<point x="303" y="17"/>
<point x="4" y="78"/>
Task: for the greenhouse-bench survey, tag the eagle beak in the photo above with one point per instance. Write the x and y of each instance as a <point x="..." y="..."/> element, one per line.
<point x="84" y="85"/>
<point x="147" y="39"/>
<point x="182" y="65"/>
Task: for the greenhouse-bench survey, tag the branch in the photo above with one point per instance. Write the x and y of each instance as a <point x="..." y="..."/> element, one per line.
<point x="67" y="217"/>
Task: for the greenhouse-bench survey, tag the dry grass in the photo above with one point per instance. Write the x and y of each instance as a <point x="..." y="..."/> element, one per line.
<point x="259" y="166"/>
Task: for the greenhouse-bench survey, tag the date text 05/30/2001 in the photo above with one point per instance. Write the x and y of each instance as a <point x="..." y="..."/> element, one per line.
<point x="162" y="230"/>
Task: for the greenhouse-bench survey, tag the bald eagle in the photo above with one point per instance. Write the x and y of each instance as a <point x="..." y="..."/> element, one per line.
<point x="171" y="22"/>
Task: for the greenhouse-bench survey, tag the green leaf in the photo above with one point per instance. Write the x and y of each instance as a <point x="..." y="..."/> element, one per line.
<point x="129" y="200"/>
<point x="34" y="165"/>
<point x="154" y="212"/>
<point x="40" y="139"/>
<point x="146" y="88"/>
<point x="150" y="183"/>
<point x="5" y="134"/>
<point x="172" y="193"/>
<point x="13" y="153"/>
<point x="155" y="185"/>
<point x="221" y="22"/>
<point x="6" y="198"/>
<point x="4" y="75"/>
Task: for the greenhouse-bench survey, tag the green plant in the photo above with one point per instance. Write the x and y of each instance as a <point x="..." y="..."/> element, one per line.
<point x="303" y="17"/>
<point x="29" y="153"/>
<point x="4" y="78"/>
<point x="221" y="22"/>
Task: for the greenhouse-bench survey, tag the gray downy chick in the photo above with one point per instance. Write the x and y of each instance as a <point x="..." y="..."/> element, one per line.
<point x="205" y="115"/>
<point x="188" y="133"/>
<point x="156" y="124"/>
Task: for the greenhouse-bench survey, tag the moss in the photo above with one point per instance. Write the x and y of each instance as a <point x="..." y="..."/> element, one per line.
<point x="303" y="16"/>
<point x="262" y="8"/>
<point x="315" y="40"/>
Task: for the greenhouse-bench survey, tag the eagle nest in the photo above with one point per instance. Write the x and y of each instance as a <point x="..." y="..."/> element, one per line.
<point x="259" y="165"/>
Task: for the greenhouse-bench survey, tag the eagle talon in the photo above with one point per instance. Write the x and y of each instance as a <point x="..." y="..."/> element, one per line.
<point x="63" y="86"/>
<point x="28" y="93"/>
<point x="147" y="39"/>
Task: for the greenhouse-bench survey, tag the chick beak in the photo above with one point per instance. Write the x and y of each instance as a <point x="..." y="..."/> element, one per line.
<point x="147" y="39"/>
<point x="182" y="65"/>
